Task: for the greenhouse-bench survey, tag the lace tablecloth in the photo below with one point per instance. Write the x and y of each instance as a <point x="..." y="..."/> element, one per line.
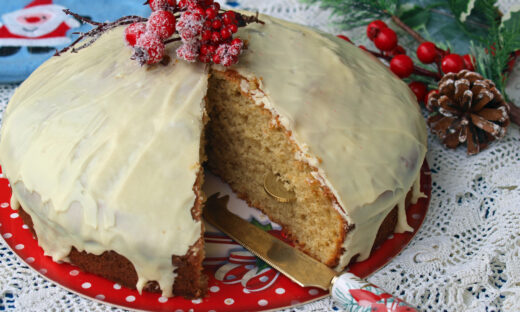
<point x="466" y="256"/>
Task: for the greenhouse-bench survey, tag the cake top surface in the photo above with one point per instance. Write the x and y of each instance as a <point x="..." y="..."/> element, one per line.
<point x="350" y="114"/>
<point x="111" y="149"/>
<point x="108" y="150"/>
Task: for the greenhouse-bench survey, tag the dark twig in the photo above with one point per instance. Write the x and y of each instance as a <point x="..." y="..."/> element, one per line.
<point x="410" y="31"/>
<point x="96" y="32"/>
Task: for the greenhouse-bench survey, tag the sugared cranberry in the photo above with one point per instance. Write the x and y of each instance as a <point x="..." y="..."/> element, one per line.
<point x="133" y="32"/>
<point x="152" y="48"/>
<point x="161" y="23"/>
<point x="469" y="60"/>
<point x="229" y="18"/>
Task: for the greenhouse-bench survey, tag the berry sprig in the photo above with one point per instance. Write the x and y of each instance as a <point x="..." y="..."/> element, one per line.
<point x="206" y="32"/>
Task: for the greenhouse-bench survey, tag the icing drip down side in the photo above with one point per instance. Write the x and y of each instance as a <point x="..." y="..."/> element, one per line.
<point x="356" y="122"/>
<point x="103" y="154"/>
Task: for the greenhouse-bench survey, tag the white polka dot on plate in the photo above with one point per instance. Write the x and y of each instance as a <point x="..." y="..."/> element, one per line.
<point x="214" y="288"/>
<point x="391" y="236"/>
<point x="8" y="235"/>
<point x="43" y="271"/>
<point x="162" y="299"/>
<point x="117" y="286"/>
<point x="196" y="301"/>
<point x="229" y="301"/>
<point x="130" y="299"/>
<point x="4" y="205"/>
<point x="246" y="291"/>
<point x="179" y="310"/>
<point x="313" y="292"/>
<point x="0" y="224"/>
<point x="86" y="285"/>
<point x="100" y="297"/>
<point x="29" y="260"/>
<point x="262" y="302"/>
<point x="74" y="273"/>
<point x="280" y="291"/>
<point x="25" y="227"/>
<point x="14" y="215"/>
<point x="19" y="247"/>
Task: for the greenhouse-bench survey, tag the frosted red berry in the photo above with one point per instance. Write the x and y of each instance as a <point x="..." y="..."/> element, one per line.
<point x="216" y="24"/>
<point x="215" y="37"/>
<point x="374" y="28"/>
<point x="161" y="4"/>
<point x="452" y="63"/>
<point x="206" y="35"/>
<point x="133" y="32"/>
<point x="161" y="23"/>
<point x="229" y="18"/>
<point x="200" y="11"/>
<point x="149" y="48"/>
<point x="233" y="28"/>
<point x="188" y="51"/>
<point x="211" y="13"/>
<point x="216" y="5"/>
<point x="386" y="39"/>
<point x="419" y="89"/>
<point x="225" y="33"/>
<point x="344" y="38"/>
<point x="237" y="41"/>
<point x="427" y="52"/>
<point x="469" y="60"/>
<point x="401" y="65"/>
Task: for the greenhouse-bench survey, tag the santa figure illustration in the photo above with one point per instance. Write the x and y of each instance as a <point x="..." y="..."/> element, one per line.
<point x="40" y="24"/>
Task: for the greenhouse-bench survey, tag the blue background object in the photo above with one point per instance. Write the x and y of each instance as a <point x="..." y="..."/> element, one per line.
<point x="16" y="67"/>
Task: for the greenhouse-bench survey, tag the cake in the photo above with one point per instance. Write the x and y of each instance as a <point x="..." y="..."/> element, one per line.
<point x="105" y="157"/>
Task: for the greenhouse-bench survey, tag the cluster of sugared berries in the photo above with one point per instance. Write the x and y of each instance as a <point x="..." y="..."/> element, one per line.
<point x="385" y="39"/>
<point x="206" y="32"/>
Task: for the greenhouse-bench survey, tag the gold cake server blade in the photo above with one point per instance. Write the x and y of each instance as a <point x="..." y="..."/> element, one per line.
<point x="346" y="288"/>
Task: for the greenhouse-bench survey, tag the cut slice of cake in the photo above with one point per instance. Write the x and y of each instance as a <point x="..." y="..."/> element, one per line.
<point x="105" y="156"/>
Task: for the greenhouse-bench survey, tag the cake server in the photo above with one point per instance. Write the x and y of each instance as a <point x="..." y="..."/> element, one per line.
<point x="349" y="291"/>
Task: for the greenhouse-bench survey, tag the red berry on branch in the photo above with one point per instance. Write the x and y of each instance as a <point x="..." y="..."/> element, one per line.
<point x="427" y="52"/>
<point x="344" y="38"/>
<point x="396" y="51"/>
<point x="419" y="89"/>
<point x="206" y="35"/>
<point x="215" y="37"/>
<point x="225" y="33"/>
<point x="200" y="11"/>
<point x="233" y="28"/>
<point x="216" y="59"/>
<point x="469" y="60"/>
<point x="188" y="51"/>
<point x="133" y="32"/>
<point x="161" y="23"/>
<point x="229" y="18"/>
<point x="374" y="28"/>
<point x="211" y="13"/>
<point x="216" y="5"/>
<point x="452" y="63"/>
<point x="216" y="24"/>
<point x="237" y="41"/>
<point x="427" y="97"/>
<point x="149" y="48"/>
<point x="401" y="65"/>
<point x="386" y="39"/>
<point x="161" y="4"/>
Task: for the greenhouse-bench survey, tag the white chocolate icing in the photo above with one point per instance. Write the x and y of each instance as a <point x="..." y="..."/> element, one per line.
<point x="103" y="153"/>
<point x="352" y="119"/>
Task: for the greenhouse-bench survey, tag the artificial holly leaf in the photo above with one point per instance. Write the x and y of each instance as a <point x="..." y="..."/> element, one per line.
<point x="462" y="8"/>
<point x="510" y="26"/>
<point x="414" y="16"/>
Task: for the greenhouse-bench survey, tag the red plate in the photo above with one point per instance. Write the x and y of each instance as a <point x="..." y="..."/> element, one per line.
<point x="237" y="280"/>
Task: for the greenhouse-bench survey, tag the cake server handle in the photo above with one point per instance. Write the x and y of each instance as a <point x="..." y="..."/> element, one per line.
<point x="350" y="292"/>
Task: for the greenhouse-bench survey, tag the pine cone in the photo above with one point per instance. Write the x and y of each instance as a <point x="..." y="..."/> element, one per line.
<point x="468" y="108"/>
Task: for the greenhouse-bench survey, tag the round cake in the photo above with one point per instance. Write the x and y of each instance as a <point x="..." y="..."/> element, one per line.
<point x="105" y="157"/>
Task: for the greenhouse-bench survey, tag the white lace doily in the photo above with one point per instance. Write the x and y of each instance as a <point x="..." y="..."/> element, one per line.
<point x="466" y="256"/>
